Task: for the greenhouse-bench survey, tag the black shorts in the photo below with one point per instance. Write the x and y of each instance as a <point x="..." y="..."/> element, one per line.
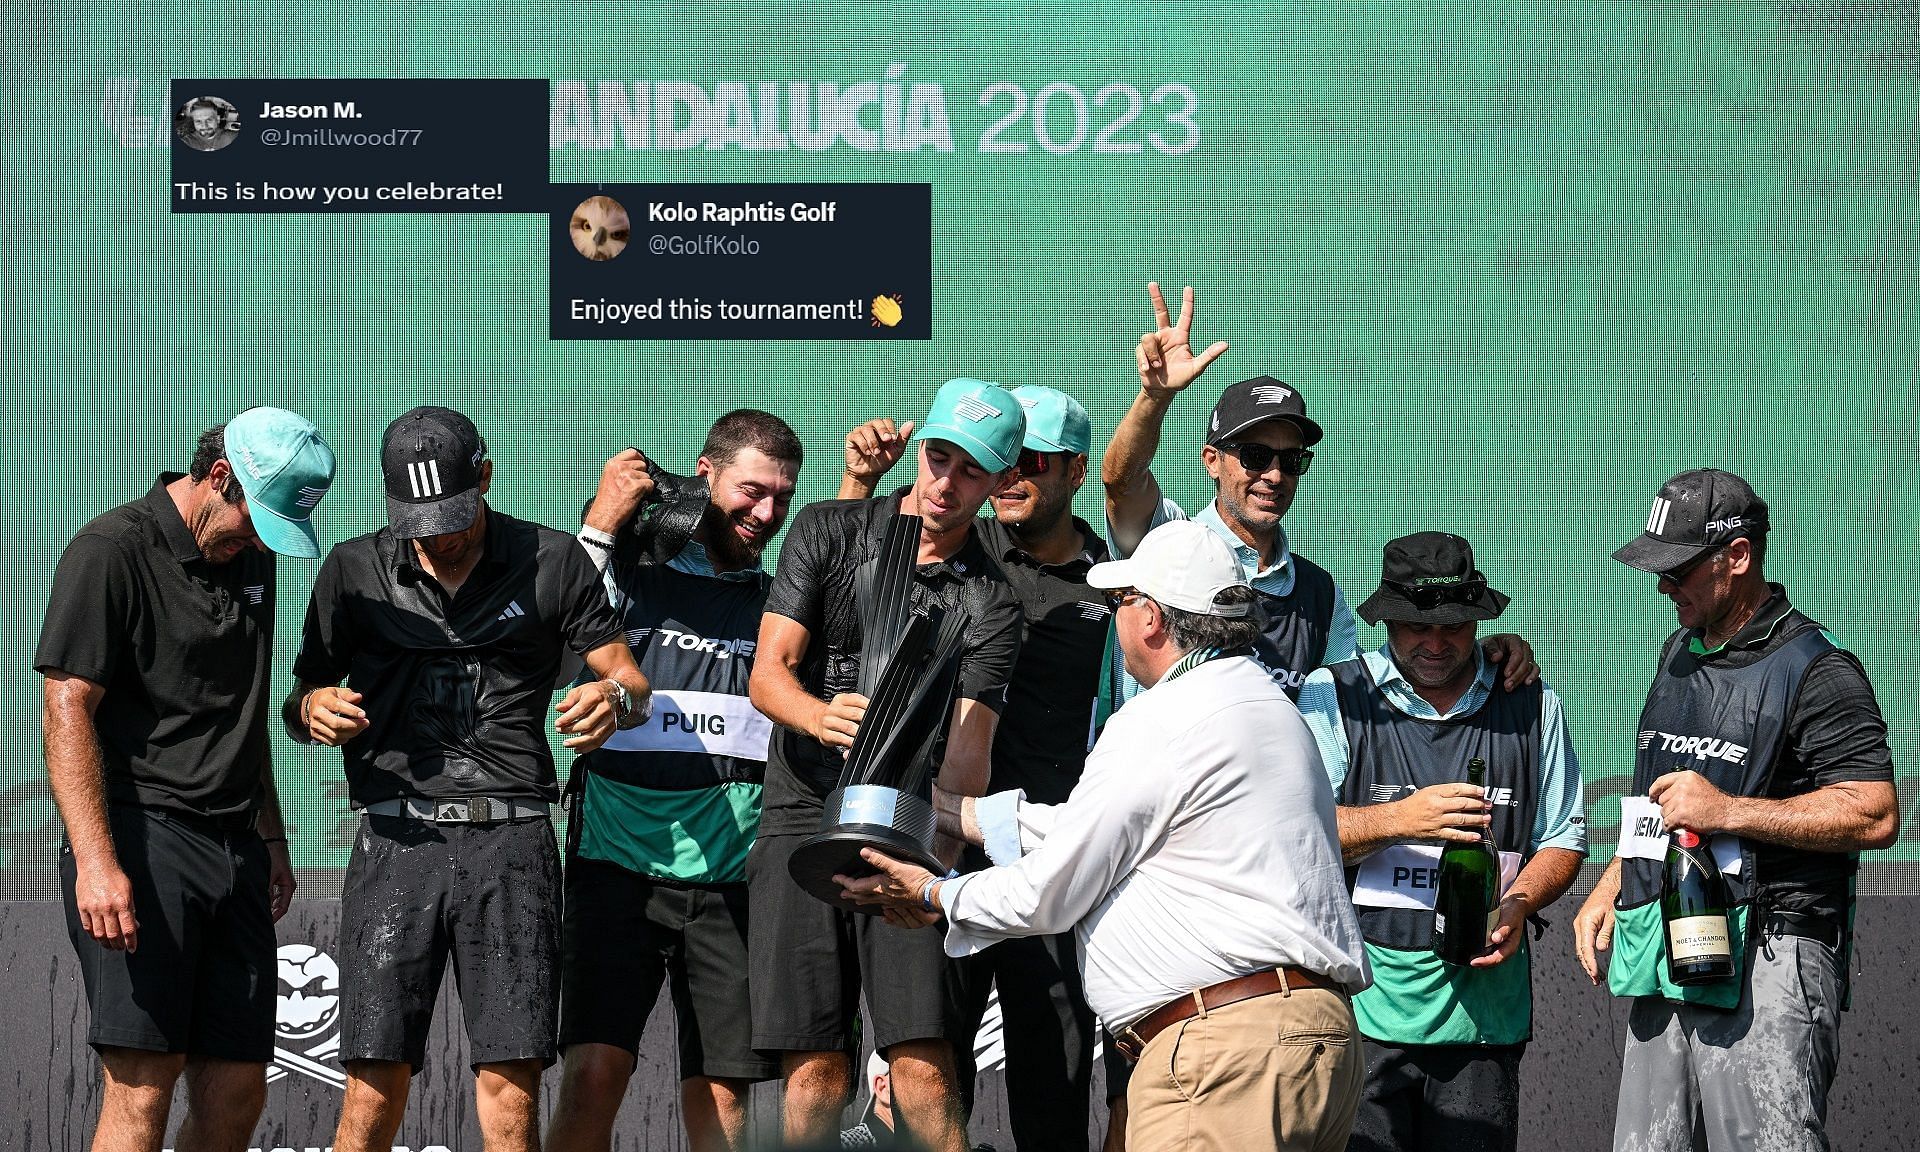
<point x="1464" y="1096"/>
<point x="624" y="934"/>
<point x="201" y="979"/>
<point x="488" y="895"/>
<point x="811" y="961"/>
<point x="1046" y="1030"/>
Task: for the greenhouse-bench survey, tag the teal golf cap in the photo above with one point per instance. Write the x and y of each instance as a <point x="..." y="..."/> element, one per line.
<point x="284" y="466"/>
<point x="983" y="419"/>
<point x="1055" y="421"/>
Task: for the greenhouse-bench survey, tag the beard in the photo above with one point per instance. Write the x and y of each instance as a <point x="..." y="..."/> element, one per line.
<point x="1039" y="513"/>
<point x="724" y="546"/>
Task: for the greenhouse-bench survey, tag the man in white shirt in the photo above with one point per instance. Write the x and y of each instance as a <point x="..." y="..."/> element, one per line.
<point x="1198" y="864"/>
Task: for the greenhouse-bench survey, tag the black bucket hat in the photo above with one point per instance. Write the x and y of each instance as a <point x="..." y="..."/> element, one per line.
<point x="1429" y="578"/>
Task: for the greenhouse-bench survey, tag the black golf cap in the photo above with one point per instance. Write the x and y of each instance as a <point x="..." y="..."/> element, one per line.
<point x="1429" y="578"/>
<point x="1697" y="511"/>
<point x="431" y="457"/>
<point x="1262" y="398"/>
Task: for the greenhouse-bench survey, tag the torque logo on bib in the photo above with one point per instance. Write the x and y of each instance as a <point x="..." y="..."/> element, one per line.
<point x="1698" y="747"/>
<point x="721" y="649"/>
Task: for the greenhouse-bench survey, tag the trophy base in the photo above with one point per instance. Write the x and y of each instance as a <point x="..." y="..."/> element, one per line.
<point x="863" y="816"/>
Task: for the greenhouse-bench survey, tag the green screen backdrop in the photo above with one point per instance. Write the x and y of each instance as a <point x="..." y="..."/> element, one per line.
<point x="1525" y="260"/>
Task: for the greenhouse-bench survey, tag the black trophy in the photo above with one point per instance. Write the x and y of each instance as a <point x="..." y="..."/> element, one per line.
<point x="908" y="668"/>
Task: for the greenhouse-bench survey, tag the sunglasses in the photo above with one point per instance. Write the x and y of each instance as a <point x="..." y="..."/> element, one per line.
<point x="1257" y="458"/>
<point x="1115" y="597"/>
<point x="1032" y="463"/>
<point x="1685" y="570"/>
<point x="1427" y="597"/>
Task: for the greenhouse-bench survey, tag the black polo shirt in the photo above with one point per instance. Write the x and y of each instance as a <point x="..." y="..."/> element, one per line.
<point x="183" y="649"/>
<point x="1835" y="733"/>
<point x="1041" y="744"/>
<point x="458" y="690"/>
<point x="826" y="544"/>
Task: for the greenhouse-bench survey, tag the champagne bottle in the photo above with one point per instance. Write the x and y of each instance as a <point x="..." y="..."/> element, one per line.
<point x="1466" y="902"/>
<point x="1693" y="903"/>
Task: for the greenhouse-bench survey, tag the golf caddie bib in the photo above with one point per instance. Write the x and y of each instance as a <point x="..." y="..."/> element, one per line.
<point x="677" y="799"/>
<point x="1294" y="628"/>
<point x="1727" y="724"/>
<point x="1416" y="998"/>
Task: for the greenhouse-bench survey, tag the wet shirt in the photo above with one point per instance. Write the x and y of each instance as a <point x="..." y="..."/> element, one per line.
<point x="814" y="586"/>
<point x="458" y="689"/>
<point x="183" y="649"/>
<point x="1041" y="744"/>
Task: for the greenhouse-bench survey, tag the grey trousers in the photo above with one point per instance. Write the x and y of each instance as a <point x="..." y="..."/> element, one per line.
<point x="1756" y="1077"/>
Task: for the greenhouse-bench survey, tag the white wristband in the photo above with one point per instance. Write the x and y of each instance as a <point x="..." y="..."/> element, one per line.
<point x="598" y="544"/>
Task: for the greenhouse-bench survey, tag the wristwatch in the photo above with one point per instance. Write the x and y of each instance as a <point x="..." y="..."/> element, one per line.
<point x="625" y="713"/>
<point x="617" y="695"/>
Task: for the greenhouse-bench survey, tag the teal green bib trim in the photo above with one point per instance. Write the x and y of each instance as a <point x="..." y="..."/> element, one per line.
<point x="1639" y="963"/>
<point x="693" y="837"/>
<point x="1418" y="999"/>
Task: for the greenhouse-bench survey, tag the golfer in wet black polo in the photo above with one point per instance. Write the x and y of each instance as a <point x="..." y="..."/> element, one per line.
<point x="810" y="961"/>
<point x="449" y="626"/>
<point x="1040" y="748"/>
<point x="156" y="651"/>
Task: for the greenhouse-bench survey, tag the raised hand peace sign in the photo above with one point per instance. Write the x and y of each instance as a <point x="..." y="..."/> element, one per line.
<point x="1165" y="356"/>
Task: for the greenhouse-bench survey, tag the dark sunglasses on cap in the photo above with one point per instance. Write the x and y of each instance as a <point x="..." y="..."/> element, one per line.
<point x="1115" y="597"/>
<point x="1257" y="458"/>
<point x="1427" y="597"/>
<point x="1033" y="463"/>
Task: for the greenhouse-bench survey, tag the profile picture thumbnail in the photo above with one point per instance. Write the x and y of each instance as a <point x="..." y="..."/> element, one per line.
<point x="207" y="123"/>
<point x="599" y="228"/>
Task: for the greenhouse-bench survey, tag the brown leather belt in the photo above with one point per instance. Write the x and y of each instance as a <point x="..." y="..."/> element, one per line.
<point x="1133" y="1040"/>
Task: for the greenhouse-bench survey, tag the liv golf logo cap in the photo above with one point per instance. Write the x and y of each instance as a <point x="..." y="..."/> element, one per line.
<point x="1256" y="401"/>
<point x="1697" y="511"/>
<point x="285" y="467"/>
<point x="981" y="419"/>
<point x="1055" y="421"/>
<point x="431" y="457"/>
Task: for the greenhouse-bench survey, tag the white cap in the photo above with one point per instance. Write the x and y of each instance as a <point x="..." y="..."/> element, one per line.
<point x="1181" y="564"/>
<point x="877" y="1067"/>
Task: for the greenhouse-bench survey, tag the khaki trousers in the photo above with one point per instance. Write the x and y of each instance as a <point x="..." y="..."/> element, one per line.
<point x="1282" y="1071"/>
